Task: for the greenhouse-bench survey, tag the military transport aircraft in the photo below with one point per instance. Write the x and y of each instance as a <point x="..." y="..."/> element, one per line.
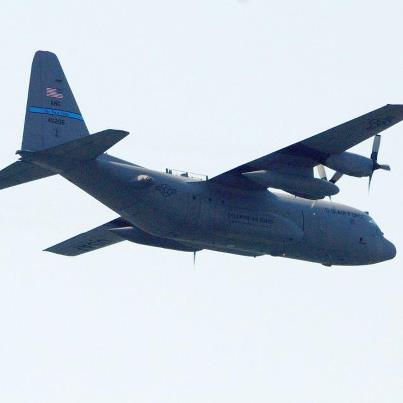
<point x="233" y="212"/>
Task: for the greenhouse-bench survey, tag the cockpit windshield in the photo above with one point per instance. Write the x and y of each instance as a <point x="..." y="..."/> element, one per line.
<point x="376" y="226"/>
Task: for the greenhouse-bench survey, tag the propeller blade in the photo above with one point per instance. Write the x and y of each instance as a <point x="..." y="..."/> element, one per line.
<point x="369" y="182"/>
<point x="336" y="177"/>
<point x="375" y="147"/>
<point x="374" y="157"/>
<point x="321" y="172"/>
<point x="385" y="167"/>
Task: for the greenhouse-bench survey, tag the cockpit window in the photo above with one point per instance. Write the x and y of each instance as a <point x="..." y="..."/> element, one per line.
<point x="378" y="232"/>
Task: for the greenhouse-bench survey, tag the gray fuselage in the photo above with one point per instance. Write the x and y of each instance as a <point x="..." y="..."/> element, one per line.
<point x="250" y="223"/>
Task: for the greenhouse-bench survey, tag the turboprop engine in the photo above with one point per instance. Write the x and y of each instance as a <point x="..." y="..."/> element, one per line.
<point x="307" y="187"/>
<point x="350" y="164"/>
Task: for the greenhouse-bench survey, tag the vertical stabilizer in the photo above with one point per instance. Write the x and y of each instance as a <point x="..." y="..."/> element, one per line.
<point x="52" y="115"/>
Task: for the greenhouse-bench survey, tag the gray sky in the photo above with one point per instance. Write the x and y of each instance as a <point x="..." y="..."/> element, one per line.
<point x="201" y="85"/>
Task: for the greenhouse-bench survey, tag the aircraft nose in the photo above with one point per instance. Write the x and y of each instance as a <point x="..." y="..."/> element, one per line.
<point x="388" y="250"/>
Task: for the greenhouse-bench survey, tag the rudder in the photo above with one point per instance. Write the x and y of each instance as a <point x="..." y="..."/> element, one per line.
<point x="52" y="115"/>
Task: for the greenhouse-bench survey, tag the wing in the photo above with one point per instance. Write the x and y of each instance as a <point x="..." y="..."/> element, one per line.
<point x="301" y="157"/>
<point x="91" y="240"/>
<point x="113" y="232"/>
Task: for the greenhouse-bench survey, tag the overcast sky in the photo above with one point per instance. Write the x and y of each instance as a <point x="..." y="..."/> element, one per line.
<point x="202" y="86"/>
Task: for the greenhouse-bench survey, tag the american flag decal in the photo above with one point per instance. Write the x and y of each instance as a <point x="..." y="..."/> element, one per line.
<point x="53" y="93"/>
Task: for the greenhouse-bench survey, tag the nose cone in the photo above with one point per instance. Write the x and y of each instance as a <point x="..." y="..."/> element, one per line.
<point x="389" y="250"/>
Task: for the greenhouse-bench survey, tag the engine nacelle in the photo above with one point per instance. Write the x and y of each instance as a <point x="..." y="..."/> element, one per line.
<point x="309" y="188"/>
<point x="350" y="164"/>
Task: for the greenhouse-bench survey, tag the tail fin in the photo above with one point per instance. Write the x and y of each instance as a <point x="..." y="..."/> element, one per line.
<point x="52" y="118"/>
<point x="52" y="115"/>
<point x="54" y="130"/>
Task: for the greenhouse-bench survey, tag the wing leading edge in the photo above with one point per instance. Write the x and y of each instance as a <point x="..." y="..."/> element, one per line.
<point x="300" y="158"/>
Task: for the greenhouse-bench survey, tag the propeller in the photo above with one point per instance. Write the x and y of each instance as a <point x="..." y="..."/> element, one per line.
<point x="321" y="172"/>
<point x="322" y="175"/>
<point x="336" y="177"/>
<point x="374" y="157"/>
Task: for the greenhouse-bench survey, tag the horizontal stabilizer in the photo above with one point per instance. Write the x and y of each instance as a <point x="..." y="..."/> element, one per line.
<point x="91" y="240"/>
<point x="81" y="149"/>
<point x="21" y="172"/>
